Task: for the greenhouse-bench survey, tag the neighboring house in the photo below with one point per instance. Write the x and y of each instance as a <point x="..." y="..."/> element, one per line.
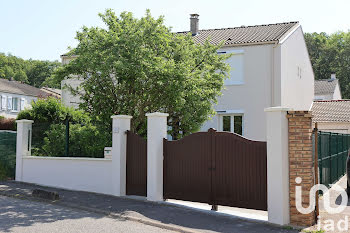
<point x="68" y="98"/>
<point x="57" y="93"/>
<point x="327" y="89"/>
<point x="332" y="115"/>
<point x="270" y="67"/>
<point x="16" y="96"/>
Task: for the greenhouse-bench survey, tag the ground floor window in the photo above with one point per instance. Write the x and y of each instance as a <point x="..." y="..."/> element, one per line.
<point x="231" y="123"/>
<point x="15" y="104"/>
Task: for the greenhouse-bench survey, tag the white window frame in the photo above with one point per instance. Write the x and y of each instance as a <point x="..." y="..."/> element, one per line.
<point x="3" y="102"/>
<point x="235" y="51"/>
<point x="9" y="103"/>
<point x="230" y="113"/>
<point x="22" y="104"/>
<point x="13" y="105"/>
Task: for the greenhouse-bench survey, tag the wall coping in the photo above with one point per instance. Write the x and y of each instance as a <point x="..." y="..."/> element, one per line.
<point x="121" y="117"/>
<point x="67" y="158"/>
<point x="157" y="114"/>
<point x="24" y="121"/>
<point x="277" y="109"/>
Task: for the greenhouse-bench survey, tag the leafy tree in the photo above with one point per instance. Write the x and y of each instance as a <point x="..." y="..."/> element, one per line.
<point x="21" y="76"/>
<point x="55" y="79"/>
<point x="40" y="71"/>
<point x="331" y="54"/>
<point x="135" y="66"/>
<point x="33" y="72"/>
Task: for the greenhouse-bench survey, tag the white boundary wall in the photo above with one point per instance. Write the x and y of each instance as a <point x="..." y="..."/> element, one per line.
<point x="83" y="174"/>
<point x="99" y="175"/>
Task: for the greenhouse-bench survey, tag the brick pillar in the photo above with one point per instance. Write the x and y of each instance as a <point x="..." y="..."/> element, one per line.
<point x="300" y="163"/>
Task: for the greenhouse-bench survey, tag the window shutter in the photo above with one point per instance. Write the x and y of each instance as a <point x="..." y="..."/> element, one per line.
<point x="22" y="104"/>
<point x="9" y="103"/>
<point x="3" y="102"/>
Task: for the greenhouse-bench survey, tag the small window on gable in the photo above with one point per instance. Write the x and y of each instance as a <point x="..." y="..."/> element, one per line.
<point x="236" y="62"/>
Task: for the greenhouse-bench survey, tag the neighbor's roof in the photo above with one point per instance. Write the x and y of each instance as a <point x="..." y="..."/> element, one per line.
<point x="331" y="111"/>
<point x="325" y="86"/>
<point x="15" y="87"/>
<point x="258" y="34"/>
<point x="52" y="90"/>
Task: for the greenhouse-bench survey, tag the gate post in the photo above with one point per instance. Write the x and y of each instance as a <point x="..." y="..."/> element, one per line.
<point x="23" y="145"/>
<point x="156" y="132"/>
<point x="120" y="124"/>
<point x="277" y="165"/>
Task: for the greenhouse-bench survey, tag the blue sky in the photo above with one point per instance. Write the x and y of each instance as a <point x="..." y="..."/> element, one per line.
<point x="44" y="29"/>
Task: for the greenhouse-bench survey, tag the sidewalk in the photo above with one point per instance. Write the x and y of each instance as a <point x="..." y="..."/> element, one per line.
<point x="161" y="215"/>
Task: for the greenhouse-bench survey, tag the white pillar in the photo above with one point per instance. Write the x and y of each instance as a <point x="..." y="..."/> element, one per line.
<point x="23" y="145"/>
<point x="120" y="124"/>
<point x="156" y="132"/>
<point x="277" y="165"/>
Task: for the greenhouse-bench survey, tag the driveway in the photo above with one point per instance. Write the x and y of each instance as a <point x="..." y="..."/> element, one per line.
<point x="27" y="216"/>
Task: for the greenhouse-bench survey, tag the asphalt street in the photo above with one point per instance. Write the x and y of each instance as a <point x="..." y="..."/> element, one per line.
<point x="27" y="216"/>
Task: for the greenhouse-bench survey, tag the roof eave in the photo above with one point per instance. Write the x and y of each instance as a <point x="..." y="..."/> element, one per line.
<point x="251" y="44"/>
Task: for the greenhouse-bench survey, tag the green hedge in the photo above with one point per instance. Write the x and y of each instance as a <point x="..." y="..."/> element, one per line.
<point x="84" y="141"/>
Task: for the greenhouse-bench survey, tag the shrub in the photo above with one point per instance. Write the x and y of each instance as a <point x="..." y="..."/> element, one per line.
<point x="52" y="110"/>
<point x="46" y="112"/>
<point x="84" y="141"/>
<point x="7" y="124"/>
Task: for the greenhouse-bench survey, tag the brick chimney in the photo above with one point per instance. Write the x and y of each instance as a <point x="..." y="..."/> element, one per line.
<point x="194" y="24"/>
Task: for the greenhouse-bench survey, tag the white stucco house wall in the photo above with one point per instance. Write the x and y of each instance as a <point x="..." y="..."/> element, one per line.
<point x="327" y="89"/>
<point x="270" y="67"/>
<point x="16" y="96"/>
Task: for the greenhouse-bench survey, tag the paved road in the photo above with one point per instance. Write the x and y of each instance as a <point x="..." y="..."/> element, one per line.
<point x="184" y="219"/>
<point x="26" y="216"/>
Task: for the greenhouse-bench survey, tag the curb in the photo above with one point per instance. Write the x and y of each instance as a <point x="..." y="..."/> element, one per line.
<point x="99" y="211"/>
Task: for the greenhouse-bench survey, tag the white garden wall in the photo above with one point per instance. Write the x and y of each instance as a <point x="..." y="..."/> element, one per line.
<point x="83" y="174"/>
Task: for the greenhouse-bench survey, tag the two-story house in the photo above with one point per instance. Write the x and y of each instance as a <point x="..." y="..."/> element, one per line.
<point x="270" y="67"/>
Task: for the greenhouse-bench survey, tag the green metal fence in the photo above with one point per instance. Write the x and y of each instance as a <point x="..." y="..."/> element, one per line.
<point x="7" y="154"/>
<point x="332" y="154"/>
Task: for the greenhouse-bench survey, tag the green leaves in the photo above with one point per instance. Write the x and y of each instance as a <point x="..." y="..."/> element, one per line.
<point x="331" y="54"/>
<point x="33" y="72"/>
<point x="134" y="66"/>
<point x="51" y="110"/>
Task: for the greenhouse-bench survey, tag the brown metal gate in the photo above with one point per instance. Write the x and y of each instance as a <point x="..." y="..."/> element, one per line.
<point x="136" y="165"/>
<point x="218" y="168"/>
